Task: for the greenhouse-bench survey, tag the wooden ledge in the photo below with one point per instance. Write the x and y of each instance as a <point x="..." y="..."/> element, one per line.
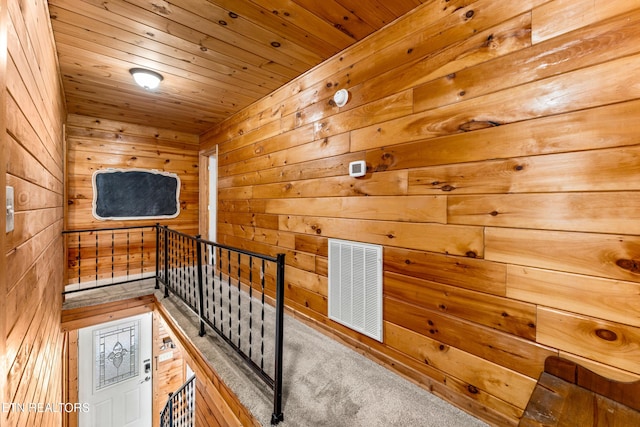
<point x="81" y="317"/>
<point x="568" y="394"/>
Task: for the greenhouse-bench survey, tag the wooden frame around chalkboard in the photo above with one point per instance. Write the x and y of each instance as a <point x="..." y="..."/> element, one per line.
<point x="135" y="194"/>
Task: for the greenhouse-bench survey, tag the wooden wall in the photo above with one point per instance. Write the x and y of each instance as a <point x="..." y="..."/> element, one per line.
<point x="501" y="141"/>
<point x="94" y="144"/>
<point x="32" y="114"/>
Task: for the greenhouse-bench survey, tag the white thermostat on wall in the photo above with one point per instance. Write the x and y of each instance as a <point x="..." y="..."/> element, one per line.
<point x="358" y="168"/>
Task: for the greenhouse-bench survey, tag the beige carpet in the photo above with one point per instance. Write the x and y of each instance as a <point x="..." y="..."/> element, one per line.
<point x="325" y="383"/>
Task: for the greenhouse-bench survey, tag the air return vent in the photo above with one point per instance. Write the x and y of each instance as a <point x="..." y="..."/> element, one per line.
<point x="355" y="286"/>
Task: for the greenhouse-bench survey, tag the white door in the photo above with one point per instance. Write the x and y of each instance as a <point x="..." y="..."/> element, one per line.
<point x="213" y="196"/>
<point x="114" y="373"/>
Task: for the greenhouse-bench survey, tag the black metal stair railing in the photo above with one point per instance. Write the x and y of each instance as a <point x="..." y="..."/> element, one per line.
<point x="98" y="258"/>
<point x="227" y="288"/>
<point x="236" y="293"/>
<point x="179" y="410"/>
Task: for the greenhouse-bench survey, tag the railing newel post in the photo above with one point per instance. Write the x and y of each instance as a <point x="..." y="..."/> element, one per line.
<point x="277" y="386"/>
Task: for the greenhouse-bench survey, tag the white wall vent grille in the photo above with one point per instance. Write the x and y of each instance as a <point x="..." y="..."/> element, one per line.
<point x="355" y="286"/>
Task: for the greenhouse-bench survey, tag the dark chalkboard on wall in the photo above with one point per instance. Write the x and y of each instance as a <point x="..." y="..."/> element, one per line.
<point x="122" y="194"/>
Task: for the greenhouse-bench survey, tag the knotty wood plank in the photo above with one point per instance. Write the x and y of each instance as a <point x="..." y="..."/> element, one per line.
<point x="392" y="183"/>
<point x="268" y="145"/>
<point x="29" y="196"/>
<point x="555" y="18"/>
<point x="315" y="149"/>
<point x="612" y="300"/>
<point x="612" y="169"/>
<point x="504" y="349"/>
<point x="600" y="255"/>
<point x="476" y="371"/>
<point x="27" y="167"/>
<point x="600" y="42"/>
<point x="37" y="90"/>
<point x="553" y="95"/>
<point x="389" y="208"/>
<point x="30" y="223"/>
<point x="463" y="272"/>
<point x="456" y="240"/>
<point x="495" y="312"/>
<point x="598" y="212"/>
<point x="22" y="128"/>
<point x="603" y="341"/>
<point x="387" y="108"/>
<point x="597" y="128"/>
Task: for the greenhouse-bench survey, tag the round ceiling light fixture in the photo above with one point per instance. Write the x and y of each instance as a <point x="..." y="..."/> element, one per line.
<point x="146" y="78"/>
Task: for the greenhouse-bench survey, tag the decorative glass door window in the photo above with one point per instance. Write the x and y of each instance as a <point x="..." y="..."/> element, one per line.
<point x="116" y="354"/>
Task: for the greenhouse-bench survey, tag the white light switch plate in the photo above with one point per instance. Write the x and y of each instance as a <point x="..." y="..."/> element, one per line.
<point x="10" y="209"/>
<point x="165" y="356"/>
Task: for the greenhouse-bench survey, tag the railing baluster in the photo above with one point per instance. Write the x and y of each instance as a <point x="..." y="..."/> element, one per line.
<point x="262" y="319"/>
<point x="229" y="290"/>
<point x="250" y="304"/>
<point x="239" y="301"/>
<point x="220" y="289"/>
<point x="113" y="237"/>
<point x="157" y="255"/>
<point x="142" y="253"/>
<point x="96" y="258"/>
<point x="200" y="292"/>
<point x="79" y="259"/>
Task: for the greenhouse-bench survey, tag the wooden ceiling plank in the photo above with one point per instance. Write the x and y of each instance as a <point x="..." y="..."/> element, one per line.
<point x="326" y="42"/>
<point x="217" y="56"/>
<point x="70" y="23"/>
<point x="372" y="12"/>
<point x="310" y="50"/>
<point x="198" y="44"/>
<point x="181" y="22"/>
<point x="108" y="95"/>
<point x="340" y="17"/>
<point x="76" y="125"/>
<point x="67" y="39"/>
<point x="143" y="117"/>
<point x="116" y="69"/>
<point x="298" y="16"/>
<point x="400" y="7"/>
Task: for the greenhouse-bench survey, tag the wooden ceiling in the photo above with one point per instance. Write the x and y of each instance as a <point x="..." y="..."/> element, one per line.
<point x="216" y="56"/>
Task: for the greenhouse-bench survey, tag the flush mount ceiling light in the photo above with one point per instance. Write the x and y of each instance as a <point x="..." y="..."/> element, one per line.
<point x="146" y="78"/>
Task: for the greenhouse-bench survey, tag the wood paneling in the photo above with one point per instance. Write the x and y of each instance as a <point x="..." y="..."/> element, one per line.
<point x="501" y="184"/>
<point x="95" y="144"/>
<point x="216" y="57"/>
<point x="31" y="118"/>
<point x="3" y="182"/>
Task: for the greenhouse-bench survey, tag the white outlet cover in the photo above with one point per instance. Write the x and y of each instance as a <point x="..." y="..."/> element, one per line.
<point x="10" y="209"/>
